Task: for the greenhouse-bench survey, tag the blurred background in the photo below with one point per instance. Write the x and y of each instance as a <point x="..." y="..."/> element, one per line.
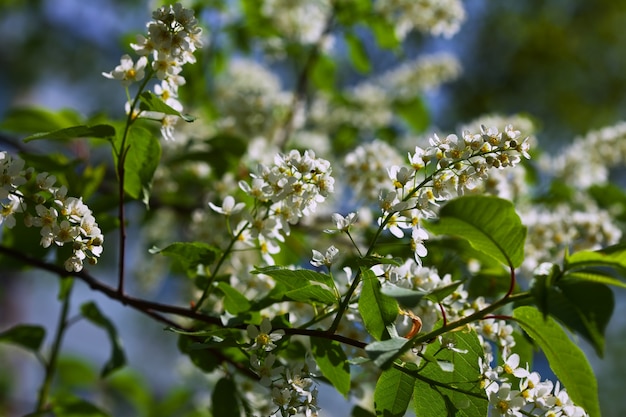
<point x="563" y="63"/>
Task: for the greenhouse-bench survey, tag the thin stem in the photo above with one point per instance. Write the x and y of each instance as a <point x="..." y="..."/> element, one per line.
<point x="208" y="288"/>
<point x="44" y="391"/>
<point x="121" y="160"/>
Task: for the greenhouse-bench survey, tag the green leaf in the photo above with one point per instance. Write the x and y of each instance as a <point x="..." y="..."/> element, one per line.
<point x="596" y="265"/>
<point x="189" y="254"/>
<point x="118" y="359"/>
<point x="359" y="411"/>
<point x="70" y="406"/>
<point x="393" y="393"/>
<point x="203" y="359"/>
<point x="295" y="278"/>
<point x="490" y="225"/>
<point x="567" y="360"/>
<point x="369" y="261"/>
<point x="584" y="307"/>
<point x="311" y="294"/>
<point x="414" y="112"/>
<point x="384" y="32"/>
<point x="437" y="400"/>
<point x="234" y="301"/>
<point x="141" y="160"/>
<point x="323" y="73"/>
<point x="97" y="131"/>
<point x="377" y="309"/>
<point x="151" y="102"/>
<point x="357" y="53"/>
<point x="405" y="297"/>
<point x="383" y="352"/>
<point x="27" y="336"/>
<point x="36" y="119"/>
<point x="333" y="363"/>
<point x="224" y="401"/>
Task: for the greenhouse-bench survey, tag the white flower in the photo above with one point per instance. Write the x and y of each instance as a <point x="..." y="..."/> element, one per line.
<point x="128" y="72"/>
<point x="263" y="338"/>
<point x="228" y="206"/>
<point x="506" y="402"/>
<point x="342" y="224"/>
<point x="327" y="259"/>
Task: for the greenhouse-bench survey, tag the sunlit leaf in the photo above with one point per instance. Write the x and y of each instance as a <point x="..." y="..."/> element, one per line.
<point x="490" y="225"/>
<point x="377" y="309"/>
<point x="97" y="131"/>
<point x="333" y="363"/>
<point x="189" y="254"/>
<point x="393" y="393"/>
<point x="567" y="360"/>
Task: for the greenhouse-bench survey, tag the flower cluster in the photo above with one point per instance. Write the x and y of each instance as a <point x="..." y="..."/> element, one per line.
<point x="534" y="396"/>
<point x="299" y="21"/>
<point x="551" y="231"/>
<point x="173" y="37"/>
<point x="292" y="387"/>
<point x="458" y="165"/>
<point x="62" y="219"/>
<point x="434" y="17"/>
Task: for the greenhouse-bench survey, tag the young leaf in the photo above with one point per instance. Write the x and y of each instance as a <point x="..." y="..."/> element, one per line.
<point x="377" y="309"/>
<point x="189" y="254"/>
<point x="27" y="336"/>
<point x="118" y="359"/>
<point x="393" y="393"/>
<point x="567" y="361"/>
<point x="333" y="363"/>
<point x="97" y="131"/>
<point x="225" y="402"/>
<point x="490" y="225"/>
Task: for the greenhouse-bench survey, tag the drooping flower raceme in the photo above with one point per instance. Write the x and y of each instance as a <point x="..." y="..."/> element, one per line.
<point x="63" y="220"/>
<point x="285" y="192"/>
<point x="173" y="37"/>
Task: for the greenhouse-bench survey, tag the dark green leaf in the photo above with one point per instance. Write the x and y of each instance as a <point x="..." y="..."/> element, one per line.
<point x="369" y="261"/>
<point x="333" y="363"/>
<point x="203" y="359"/>
<point x="359" y="411"/>
<point x="377" y="309"/>
<point x="190" y="254"/>
<point x="567" y="361"/>
<point x="234" y="301"/>
<point x="118" y="359"/>
<point x="224" y="401"/>
<point x="584" y="307"/>
<point x="97" y="131"/>
<point x="151" y="102"/>
<point x="393" y="393"/>
<point x="27" y="336"/>
<point x="490" y="225"/>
